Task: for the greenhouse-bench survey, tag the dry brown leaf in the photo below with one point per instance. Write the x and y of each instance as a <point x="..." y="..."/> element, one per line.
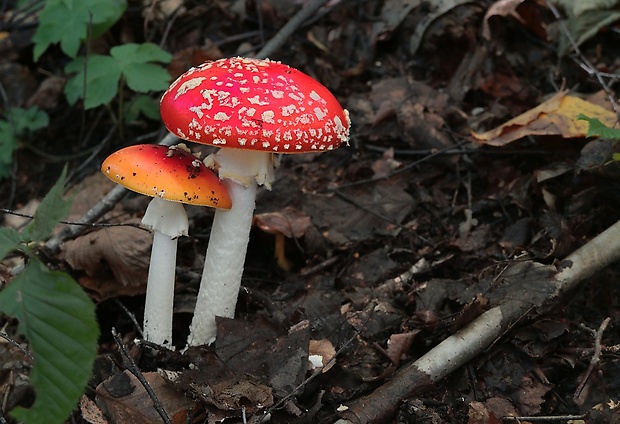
<point x="87" y="193"/>
<point x="322" y="351"/>
<point x="399" y="344"/>
<point x="524" y="11"/>
<point x="479" y="414"/>
<point x="125" y="400"/>
<point x="556" y="116"/>
<point x="48" y="93"/>
<point x="116" y="259"/>
<point x="291" y="222"/>
<point x="18" y="222"/>
<point x="91" y="413"/>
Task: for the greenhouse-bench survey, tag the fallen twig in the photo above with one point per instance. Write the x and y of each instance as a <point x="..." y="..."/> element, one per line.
<point x="596" y="357"/>
<point x="287" y="30"/>
<point x="133" y="368"/>
<point x="471" y="340"/>
<point x="17" y="345"/>
<point x="546" y="418"/>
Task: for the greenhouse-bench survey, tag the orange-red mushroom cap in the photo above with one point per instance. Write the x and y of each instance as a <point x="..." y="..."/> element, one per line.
<point x="253" y="104"/>
<point x="172" y="173"/>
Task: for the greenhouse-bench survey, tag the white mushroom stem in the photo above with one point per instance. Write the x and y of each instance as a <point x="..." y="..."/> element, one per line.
<point x="225" y="258"/>
<point x="168" y="220"/>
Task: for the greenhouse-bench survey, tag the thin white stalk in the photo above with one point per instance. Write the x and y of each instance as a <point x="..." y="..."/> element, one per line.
<point x="224" y="261"/>
<point x="168" y="221"/>
<point x="160" y="290"/>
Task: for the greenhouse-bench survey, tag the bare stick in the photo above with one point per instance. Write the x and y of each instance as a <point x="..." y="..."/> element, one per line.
<point x="17" y="345"/>
<point x="133" y="368"/>
<point x="287" y="30"/>
<point x="546" y="418"/>
<point x="596" y="357"/>
<point x="472" y="339"/>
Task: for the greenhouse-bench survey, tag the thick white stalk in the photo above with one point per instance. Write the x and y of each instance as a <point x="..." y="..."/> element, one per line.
<point x="160" y="290"/>
<point x="223" y="267"/>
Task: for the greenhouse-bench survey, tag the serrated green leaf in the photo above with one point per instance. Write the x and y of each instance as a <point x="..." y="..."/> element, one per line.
<point x="58" y="319"/>
<point x="145" y="77"/>
<point x="142" y="104"/>
<point x="53" y="209"/>
<point x="597" y="128"/>
<point x="9" y="240"/>
<point x="139" y="53"/>
<point x="67" y="22"/>
<point x="102" y="77"/>
<point x="30" y="119"/>
<point x="18" y="122"/>
<point x="103" y="73"/>
<point x="134" y="62"/>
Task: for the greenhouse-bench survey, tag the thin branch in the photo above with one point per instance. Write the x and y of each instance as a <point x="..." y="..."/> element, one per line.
<point x="17" y="345"/>
<point x="546" y="418"/>
<point x="291" y="26"/>
<point x="133" y="368"/>
<point x="596" y="357"/>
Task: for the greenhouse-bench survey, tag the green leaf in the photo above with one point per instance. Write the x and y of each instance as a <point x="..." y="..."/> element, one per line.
<point x="127" y="54"/>
<point x="8" y="144"/>
<point x="145" y="77"/>
<point x="9" y="240"/>
<point x="18" y="122"/>
<point x="58" y="319"/>
<point x="132" y="61"/>
<point x="52" y="209"/>
<point x="142" y="104"/>
<point x="596" y="127"/>
<point x="67" y="22"/>
<point x="30" y="119"/>
<point x="102" y="78"/>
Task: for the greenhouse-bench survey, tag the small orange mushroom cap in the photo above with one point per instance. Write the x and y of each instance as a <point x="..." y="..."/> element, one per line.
<point x="172" y="173"/>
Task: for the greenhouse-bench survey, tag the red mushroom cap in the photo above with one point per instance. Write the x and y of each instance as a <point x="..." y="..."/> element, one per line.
<point x="256" y="105"/>
<point x="172" y="173"/>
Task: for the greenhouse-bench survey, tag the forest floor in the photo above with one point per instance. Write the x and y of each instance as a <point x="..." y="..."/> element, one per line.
<point x="401" y="239"/>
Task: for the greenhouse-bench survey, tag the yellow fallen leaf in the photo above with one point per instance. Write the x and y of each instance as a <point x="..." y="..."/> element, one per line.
<point x="556" y="116"/>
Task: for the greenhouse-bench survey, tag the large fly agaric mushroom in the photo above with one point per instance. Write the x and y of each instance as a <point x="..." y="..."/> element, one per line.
<point x="251" y="109"/>
<point x="172" y="176"/>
